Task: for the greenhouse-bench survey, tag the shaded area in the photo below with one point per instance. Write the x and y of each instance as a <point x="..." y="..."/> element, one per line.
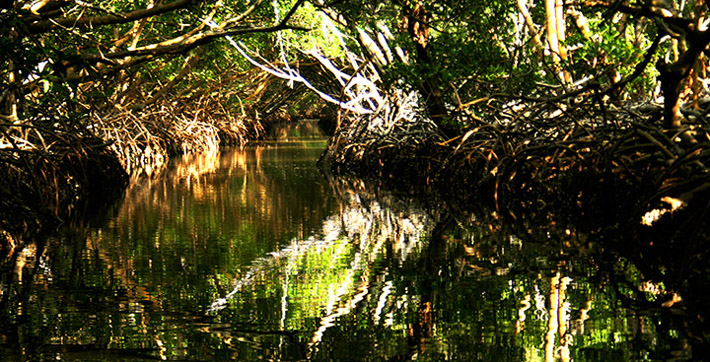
<point x="251" y="254"/>
<point x="160" y="252"/>
<point x="37" y="190"/>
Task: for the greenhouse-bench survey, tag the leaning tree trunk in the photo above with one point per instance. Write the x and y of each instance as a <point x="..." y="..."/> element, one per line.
<point x="673" y="77"/>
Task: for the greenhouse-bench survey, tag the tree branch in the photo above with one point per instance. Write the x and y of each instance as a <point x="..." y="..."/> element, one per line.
<point x="638" y="70"/>
<point x="79" y="22"/>
<point x="181" y="45"/>
<point x="185" y="42"/>
<point x="643" y="11"/>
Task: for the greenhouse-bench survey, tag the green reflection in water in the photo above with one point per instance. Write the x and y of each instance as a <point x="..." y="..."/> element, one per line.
<point x="251" y="255"/>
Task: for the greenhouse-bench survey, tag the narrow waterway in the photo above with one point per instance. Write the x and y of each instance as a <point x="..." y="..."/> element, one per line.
<point x="252" y="254"/>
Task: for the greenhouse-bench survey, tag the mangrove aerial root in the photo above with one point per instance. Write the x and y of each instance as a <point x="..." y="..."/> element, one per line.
<point x="538" y="158"/>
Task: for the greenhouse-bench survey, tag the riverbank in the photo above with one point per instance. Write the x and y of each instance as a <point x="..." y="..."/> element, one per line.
<point x="40" y="187"/>
<point x="54" y="175"/>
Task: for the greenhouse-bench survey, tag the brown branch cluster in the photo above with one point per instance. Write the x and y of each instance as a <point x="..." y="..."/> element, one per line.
<point x="544" y="158"/>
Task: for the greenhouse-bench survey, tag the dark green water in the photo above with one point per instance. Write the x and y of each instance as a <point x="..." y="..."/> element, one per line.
<point x="253" y="255"/>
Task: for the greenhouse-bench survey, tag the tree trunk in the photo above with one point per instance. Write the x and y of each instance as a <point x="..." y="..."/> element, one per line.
<point x="430" y="85"/>
<point x="9" y="108"/>
<point x="561" y="29"/>
<point x="532" y="28"/>
<point x="556" y="34"/>
<point x="551" y="22"/>
<point x="672" y="80"/>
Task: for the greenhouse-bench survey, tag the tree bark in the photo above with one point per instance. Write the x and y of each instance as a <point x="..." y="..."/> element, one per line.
<point x="551" y="23"/>
<point x="532" y="28"/>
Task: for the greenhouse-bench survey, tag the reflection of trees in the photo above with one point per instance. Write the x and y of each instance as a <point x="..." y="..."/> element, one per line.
<point x="380" y="279"/>
<point x="557" y="320"/>
<point x="363" y="234"/>
<point x="472" y="289"/>
<point x="395" y="274"/>
<point x="170" y="242"/>
<point x="299" y="131"/>
<point x="212" y="213"/>
<point x="253" y="188"/>
<point x="380" y="232"/>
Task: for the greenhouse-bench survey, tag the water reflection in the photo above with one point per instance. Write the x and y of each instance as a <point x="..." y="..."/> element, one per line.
<point x="251" y="255"/>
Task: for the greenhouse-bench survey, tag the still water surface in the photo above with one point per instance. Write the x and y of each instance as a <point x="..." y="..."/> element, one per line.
<point x="253" y="254"/>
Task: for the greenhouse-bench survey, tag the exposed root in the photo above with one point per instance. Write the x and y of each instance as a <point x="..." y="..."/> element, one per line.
<point x="634" y="189"/>
<point x="528" y="152"/>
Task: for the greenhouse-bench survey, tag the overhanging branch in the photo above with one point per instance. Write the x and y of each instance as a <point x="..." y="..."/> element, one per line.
<point x="80" y="22"/>
<point x="642" y="11"/>
<point x="185" y="44"/>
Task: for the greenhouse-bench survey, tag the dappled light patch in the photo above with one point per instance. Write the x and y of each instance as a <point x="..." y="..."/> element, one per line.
<point x="652" y="216"/>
